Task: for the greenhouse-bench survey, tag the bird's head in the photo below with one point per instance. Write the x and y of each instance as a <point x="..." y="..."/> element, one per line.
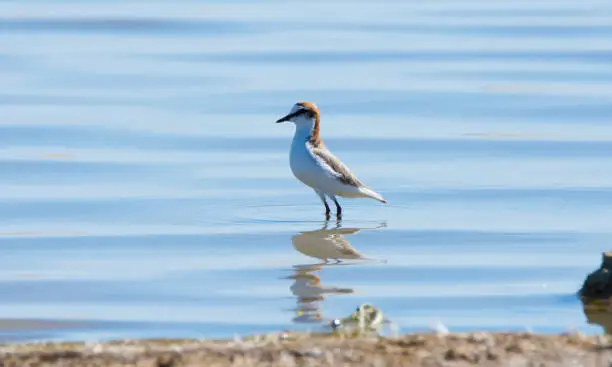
<point x="302" y="113"/>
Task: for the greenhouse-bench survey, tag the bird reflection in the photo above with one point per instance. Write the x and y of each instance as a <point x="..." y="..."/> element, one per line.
<point x="329" y="244"/>
<point x="309" y="291"/>
<point x="326" y="245"/>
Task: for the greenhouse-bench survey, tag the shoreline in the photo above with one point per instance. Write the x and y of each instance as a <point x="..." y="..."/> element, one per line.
<point x="325" y="349"/>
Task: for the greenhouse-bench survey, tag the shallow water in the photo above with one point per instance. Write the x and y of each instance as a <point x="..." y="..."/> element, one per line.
<point x="145" y="189"/>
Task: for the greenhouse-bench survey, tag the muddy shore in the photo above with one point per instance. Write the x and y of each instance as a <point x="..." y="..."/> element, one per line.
<point x="282" y="349"/>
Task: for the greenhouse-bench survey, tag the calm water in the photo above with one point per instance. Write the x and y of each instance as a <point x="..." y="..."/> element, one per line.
<point x="145" y="189"/>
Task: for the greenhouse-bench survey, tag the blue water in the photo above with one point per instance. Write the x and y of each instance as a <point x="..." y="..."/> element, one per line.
<point x="145" y="189"/>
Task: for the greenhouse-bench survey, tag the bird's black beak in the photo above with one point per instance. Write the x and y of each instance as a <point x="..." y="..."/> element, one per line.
<point x="289" y="116"/>
<point x="283" y="119"/>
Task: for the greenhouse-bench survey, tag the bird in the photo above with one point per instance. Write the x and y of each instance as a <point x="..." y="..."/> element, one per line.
<point x="315" y="166"/>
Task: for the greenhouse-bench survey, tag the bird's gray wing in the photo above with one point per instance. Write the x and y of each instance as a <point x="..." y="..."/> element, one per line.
<point x="333" y="165"/>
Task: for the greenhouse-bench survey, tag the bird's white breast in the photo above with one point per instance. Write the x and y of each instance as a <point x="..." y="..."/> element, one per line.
<point x="302" y="163"/>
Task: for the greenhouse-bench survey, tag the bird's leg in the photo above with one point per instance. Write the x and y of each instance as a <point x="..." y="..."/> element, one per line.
<point x="338" y="208"/>
<point x="326" y="223"/>
<point x="327" y="210"/>
<point x="338" y="223"/>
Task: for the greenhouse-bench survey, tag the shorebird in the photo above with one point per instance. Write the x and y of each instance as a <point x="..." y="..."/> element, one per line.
<point x="317" y="167"/>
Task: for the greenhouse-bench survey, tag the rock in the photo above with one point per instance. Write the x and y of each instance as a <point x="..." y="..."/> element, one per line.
<point x="598" y="284"/>
<point x="596" y="293"/>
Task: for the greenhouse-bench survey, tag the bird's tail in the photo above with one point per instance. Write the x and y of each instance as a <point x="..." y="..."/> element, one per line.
<point x="372" y="194"/>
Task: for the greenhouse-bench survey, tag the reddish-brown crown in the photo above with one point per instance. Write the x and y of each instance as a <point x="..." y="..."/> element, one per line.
<point x="309" y="106"/>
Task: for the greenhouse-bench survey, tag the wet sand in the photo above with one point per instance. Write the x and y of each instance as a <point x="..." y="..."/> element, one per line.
<point x="485" y="349"/>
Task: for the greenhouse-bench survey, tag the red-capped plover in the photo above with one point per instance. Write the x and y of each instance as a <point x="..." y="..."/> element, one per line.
<point x="316" y="166"/>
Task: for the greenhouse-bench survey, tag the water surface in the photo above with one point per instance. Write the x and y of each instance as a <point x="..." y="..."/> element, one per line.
<point x="145" y="189"/>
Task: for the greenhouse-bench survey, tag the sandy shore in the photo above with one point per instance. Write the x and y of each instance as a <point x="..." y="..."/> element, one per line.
<point x="485" y="349"/>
